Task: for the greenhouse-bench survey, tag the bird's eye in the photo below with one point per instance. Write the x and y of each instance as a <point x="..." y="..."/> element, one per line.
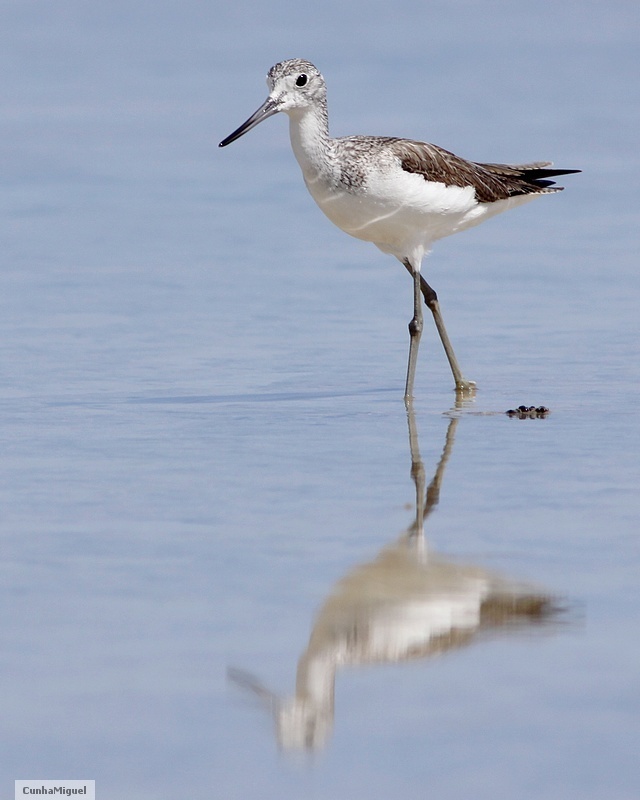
<point x="301" y="80"/>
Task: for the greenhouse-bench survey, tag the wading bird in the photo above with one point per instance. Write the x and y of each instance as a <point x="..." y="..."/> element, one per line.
<point x="400" y="194"/>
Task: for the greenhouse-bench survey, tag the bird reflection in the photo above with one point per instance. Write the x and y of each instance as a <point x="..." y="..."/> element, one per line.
<point x="408" y="603"/>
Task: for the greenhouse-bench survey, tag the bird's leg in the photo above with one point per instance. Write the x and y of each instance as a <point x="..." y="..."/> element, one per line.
<point x="431" y="299"/>
<point x="415" y="332"/>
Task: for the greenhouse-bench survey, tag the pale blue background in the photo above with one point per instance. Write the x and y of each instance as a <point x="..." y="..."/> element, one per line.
<point x="201" y="385"/>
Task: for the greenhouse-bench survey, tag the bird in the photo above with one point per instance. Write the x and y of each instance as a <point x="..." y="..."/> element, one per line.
<point x="400" y="194"/>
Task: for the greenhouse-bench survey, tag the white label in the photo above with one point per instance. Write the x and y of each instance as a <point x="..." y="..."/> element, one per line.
<point x="83" y="790"/>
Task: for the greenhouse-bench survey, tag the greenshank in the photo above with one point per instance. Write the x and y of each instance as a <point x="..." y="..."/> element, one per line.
<point x="400" y="194"/>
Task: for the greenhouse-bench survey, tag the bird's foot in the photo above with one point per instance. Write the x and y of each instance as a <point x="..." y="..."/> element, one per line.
<point x="465" y="388"/>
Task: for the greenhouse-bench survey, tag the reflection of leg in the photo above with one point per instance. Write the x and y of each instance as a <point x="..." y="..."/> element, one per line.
<point x="433" y="490"/>
<point x="417" y="471"/>
<point x="426" y="499"/>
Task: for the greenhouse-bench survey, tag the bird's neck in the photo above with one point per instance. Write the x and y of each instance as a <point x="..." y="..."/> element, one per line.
<point x="309" y="131"/>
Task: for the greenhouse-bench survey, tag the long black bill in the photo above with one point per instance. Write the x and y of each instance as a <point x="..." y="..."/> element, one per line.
<point x="266" y="110"/>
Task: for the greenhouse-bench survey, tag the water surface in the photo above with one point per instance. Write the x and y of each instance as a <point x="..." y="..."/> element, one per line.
<point x="206" y="461"/>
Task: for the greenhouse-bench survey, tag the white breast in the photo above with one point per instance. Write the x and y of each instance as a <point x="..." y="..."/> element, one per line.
<point x="399" y="211"/>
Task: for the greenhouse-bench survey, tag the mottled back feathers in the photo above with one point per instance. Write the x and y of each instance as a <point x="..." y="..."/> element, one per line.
<point x="491" y="182"/>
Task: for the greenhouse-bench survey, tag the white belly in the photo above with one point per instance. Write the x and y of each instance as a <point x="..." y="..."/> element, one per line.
<point x="402" y="212"/>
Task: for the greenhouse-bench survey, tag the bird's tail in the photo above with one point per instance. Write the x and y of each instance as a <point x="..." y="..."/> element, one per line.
<point x="536" y="175"/>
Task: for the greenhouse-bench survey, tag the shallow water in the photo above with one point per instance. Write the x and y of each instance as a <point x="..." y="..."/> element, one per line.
<point x="206" y="455"/>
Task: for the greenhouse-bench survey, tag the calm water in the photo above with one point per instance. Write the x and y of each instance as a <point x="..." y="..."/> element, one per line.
<point x="206" y="460"/>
